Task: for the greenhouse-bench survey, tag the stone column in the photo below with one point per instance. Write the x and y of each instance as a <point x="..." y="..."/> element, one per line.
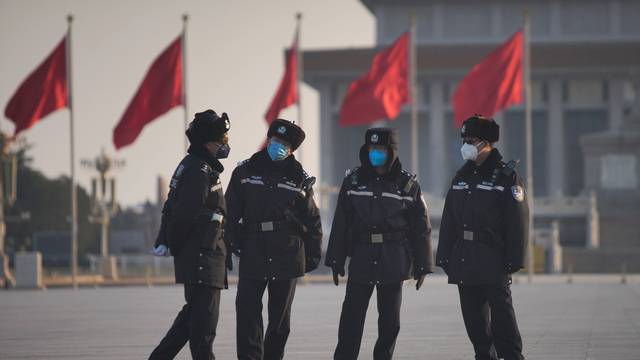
<point x="616" y="100"/>
<point x="328" y="135"/>
<point x="556" y="139"/>
<point x="437" y="144"/>
<point x="593" y="222"/>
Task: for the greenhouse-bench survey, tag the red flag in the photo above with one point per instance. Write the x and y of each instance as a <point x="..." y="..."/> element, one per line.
<point x="42" y="92"/>
<point x="287" y="93"/>
<point x="493" y="84"/>
<point x="160" y="91"/>
<point x="380" y="93"/>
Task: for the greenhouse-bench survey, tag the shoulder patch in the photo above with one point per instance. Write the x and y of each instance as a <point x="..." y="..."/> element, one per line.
<point x="518" y="193"/>
<point x="179" y="170"/>
<point x="243" y="162"/>
<point x="177" y="175"/>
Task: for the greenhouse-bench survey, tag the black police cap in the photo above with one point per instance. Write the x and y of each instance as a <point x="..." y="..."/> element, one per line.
<point x="287" y="131"/>
<point x="207" y="126"/>
<point x="480" y="127"/>
<point x="381" y="136"/>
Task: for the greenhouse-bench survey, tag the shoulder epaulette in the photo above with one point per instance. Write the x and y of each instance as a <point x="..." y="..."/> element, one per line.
<point x="353" y="173"/>
<point x="243" y="162"/>
<point x="409" y="182"/>
<point x="307" y="181"/>
<point x="350" y="171"/>
<point x="509" y="167"/>
<point x="205" y="168"/>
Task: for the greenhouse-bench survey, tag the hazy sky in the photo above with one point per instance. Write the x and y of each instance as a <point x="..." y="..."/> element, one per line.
<point x="235" y="61"/>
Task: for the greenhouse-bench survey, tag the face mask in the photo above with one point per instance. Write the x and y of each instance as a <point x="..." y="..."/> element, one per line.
<point x="469" y="152"/>
<point x="377" y="157"/>
<point x="277" y="151"/>
<point x="223" y="151"/>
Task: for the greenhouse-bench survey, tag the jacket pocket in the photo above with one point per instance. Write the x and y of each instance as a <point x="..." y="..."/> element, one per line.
<point x="287" y="243"/>
<point x="487" y="263"/>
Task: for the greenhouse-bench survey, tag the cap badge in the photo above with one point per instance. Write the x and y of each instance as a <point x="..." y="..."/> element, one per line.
<point x="374" y="138"/>
<point x="282" y="130"/>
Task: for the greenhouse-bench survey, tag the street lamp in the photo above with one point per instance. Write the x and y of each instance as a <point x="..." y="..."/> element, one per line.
<point x="103" y="204"/>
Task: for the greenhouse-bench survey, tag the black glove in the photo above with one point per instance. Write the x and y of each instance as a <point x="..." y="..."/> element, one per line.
<point x="510" y="269"/>
<point x="337" y="270"/>
<point x="311" y="264"/>
<point x="235" y="249"/>
<point x="418" y="276"/>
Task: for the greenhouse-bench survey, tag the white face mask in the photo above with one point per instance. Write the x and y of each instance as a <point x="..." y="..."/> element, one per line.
<point x="469" y="152"/>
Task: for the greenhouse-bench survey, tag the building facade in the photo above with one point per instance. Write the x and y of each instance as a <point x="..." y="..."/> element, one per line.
<point x="584" y="54"/>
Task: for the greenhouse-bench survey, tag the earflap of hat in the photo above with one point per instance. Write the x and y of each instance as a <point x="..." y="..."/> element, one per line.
<point x="226" y="123"/>
<point x="492" y="132"/>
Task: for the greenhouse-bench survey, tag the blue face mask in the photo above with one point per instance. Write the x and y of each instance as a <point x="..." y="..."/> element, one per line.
<point x="377" y="157"/>
<point x="277" y="151"/>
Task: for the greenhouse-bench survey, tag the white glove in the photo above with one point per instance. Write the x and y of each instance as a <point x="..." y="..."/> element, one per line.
<point x="161" y="250"/>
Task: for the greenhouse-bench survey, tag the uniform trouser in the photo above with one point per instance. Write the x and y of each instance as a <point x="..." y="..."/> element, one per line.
<point x="491" y="322"/>
<point x="354" y="312"/>
<point x="196" y="323"/>
<point x="251" y="343"/>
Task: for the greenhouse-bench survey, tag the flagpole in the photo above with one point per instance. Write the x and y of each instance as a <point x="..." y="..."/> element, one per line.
<point x="5" y="272"/>
<point x="529" y="142"/>
<point x="74" y="203"/>
<point x="185" y="19"/>
<point x="413" y="56"/>
<point x="299" y="77"/>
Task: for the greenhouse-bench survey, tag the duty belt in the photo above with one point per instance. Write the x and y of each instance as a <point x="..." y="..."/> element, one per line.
<point x="378" y="238"/>
<point x="267" y="226"/>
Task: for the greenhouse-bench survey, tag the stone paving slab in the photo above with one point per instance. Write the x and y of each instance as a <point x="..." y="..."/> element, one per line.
<point x="590" y="320"/>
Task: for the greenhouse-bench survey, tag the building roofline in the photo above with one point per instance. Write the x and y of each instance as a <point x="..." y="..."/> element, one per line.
<point x="463" y="57"/>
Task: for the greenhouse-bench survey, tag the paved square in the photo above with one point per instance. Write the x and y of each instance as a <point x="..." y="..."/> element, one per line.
<point x="584" y="320"/>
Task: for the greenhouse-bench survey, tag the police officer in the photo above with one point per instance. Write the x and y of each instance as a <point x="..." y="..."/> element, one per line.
<point x="381" y="223"/>
<point x="273" y="225"/>
<point x="482" y="240"/>
<point x="191" y="231"/>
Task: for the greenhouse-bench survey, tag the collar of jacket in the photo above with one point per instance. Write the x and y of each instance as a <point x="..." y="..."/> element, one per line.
<point x="367" y="171"/>
<point x="261" y="163"/>
<point x="486" y="168"/>
<point x="202" y="153"/>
